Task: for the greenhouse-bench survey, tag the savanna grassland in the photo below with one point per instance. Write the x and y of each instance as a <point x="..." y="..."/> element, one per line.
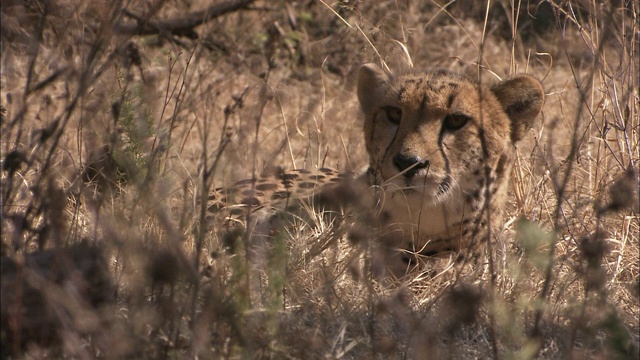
<point x="118" y="119"/>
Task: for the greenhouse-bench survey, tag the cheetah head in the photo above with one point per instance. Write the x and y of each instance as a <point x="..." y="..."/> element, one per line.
<point x="432" y="135"/>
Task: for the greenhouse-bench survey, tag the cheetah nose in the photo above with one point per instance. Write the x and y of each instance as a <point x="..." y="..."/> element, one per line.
<point x="409" y="164"/>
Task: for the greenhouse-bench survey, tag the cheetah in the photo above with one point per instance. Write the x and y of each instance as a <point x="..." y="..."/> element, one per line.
<point x="441" y="147"/>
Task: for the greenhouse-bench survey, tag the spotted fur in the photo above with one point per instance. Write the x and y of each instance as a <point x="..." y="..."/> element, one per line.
<point x="441" y="148"/>
<point x="275" y="188"/>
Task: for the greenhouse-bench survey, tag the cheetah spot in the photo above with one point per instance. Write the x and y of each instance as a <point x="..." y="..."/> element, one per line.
<point x="266" y="187"/>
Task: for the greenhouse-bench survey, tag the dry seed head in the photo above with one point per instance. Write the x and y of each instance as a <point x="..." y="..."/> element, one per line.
<point x="623" y="192"/>
<point x="163" y="267"/>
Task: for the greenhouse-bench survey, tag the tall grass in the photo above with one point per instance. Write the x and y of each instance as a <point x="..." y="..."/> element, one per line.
<point x="117" y="140"/>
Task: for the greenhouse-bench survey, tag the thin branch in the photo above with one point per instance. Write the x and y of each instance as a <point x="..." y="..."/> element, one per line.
<point x="182" y="26"/>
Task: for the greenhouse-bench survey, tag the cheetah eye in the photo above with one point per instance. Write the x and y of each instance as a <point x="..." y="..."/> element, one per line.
<point x="455" y="121"/>
<point x="394" y="114"/>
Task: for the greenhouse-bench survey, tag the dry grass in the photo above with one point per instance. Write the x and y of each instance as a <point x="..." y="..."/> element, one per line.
<point x="115" y="139"/>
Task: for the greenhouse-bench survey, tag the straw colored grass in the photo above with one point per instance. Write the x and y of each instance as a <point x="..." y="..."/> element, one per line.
<point x="116" y="139"/>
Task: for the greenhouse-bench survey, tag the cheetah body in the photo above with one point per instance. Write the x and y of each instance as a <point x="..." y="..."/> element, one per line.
<point x="440" y="147"/>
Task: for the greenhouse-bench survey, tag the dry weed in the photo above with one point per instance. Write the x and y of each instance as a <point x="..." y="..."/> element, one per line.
<point x="116" y="140"/>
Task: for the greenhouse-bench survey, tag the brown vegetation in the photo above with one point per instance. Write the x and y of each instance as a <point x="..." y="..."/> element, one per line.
<point x="115" y="137"/>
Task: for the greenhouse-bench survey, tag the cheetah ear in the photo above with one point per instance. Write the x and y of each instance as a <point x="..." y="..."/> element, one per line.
<point x="522" y="98"/>
<point x="373" y="86"/>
